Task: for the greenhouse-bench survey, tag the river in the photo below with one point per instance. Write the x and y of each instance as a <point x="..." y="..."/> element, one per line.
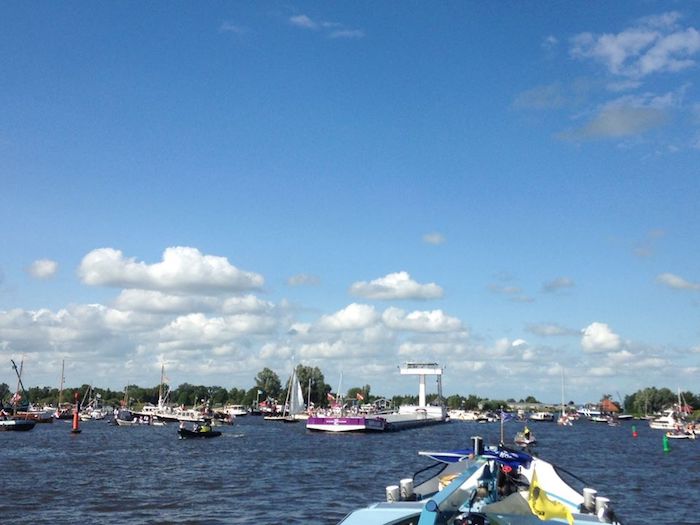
<point x="263" y="472"/>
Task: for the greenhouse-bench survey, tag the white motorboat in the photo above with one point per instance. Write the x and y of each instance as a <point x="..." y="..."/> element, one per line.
<point x="482" y="486"/>
<point x="541" y="416"/>
<point x="670" y="420"/>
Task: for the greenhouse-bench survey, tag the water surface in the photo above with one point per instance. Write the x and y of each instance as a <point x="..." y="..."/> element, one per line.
<point x="262" y="472"/>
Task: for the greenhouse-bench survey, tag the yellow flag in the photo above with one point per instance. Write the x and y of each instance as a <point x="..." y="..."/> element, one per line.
<point x="543" y="507"/>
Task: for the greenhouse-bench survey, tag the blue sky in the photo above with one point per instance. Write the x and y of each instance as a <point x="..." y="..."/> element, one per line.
<point x="498" y="187"/>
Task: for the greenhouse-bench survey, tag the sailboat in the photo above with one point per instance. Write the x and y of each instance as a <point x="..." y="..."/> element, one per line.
<point x="16" y="420"/>
<point x="564" y="419"/>
<point x="293" y="403"/>
<point x="296" y="401"/>
<point x="63" y="410"/>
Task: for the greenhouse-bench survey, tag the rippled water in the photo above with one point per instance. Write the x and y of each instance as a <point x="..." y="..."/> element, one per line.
<point x="262" y="472"/>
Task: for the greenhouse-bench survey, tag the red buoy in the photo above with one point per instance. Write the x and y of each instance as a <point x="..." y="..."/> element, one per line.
<point x="76" y="417"/>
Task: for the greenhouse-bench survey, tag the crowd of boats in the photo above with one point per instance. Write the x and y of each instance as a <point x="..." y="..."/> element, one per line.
<point x="341" y="416"/>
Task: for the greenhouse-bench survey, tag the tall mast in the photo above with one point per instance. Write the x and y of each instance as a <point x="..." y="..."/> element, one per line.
<point x="562" y="390"/>
<point x="288" y="398"/>
<point x="160" y="385"/>
<point x="60" y="390"/>
<point x="308" y="397"/>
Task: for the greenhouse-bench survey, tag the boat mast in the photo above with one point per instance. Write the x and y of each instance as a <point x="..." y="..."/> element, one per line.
<point x="19" y="384"/>
<point x="60" y="390"/>
<point x="288" y="399"/>
<point x="160" y="385"/>
<point x="308" y="397"/>
<point x="562" y="391"/>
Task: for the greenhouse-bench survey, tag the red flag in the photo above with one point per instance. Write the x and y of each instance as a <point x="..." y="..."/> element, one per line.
<point x="330" y="397"/>
<point x="360" y="397"/>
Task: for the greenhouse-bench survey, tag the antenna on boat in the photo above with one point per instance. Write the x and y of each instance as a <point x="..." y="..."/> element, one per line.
<point x="502" y="417"/>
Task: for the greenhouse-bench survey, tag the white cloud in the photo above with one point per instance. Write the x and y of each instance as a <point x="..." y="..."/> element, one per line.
<point x="352" y="317"/>
<point x="550" y="96"/>
<point x="653" y="45"/>
<point x="159" y="302"/>
<point x="598" y="337"/>
<point x="183" y="269"/>
<point x="432" y="350"/>
<point x="420" y="321"/>
<point x="618" y="121"/>
<point x="558" y="284"/>
<point x="198" y="329"/>
<point x="43" y="269"/>
<point x="332" y="30"/>
<point x="434" y="238"/>
<point x="230" y="27"/>
<point x="397" y="285"/>
<point x="550" y="43"/>
<point x="550" y="329"/>
<point x="676" y="282"/>
<point x="303" y="21"/>
<point x="347" y="33"/>
<point x="246" y="304"/>
<point x="514" y="293"/>
<point x="303" y="279"/>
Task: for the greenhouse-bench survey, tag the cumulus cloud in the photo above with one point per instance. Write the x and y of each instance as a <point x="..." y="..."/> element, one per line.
<point x="352" y="317"/>
<point x="198" y="329"/>
<point x="397" y="285"/>
<point x="159" y="302"/>
<point x="652" y="45"/>
<point x="598" y="337"/>
<point x="422" y="350"/>
<point x="420" y="321"/>
<point x="677" y="283"/>
<point x="43" y="268"/>
<point x="183" y="270"/>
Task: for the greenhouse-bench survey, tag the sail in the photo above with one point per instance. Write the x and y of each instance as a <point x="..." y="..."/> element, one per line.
<point x="296" y="403"/>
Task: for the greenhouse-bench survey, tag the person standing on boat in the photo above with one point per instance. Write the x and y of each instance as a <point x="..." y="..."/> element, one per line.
<point x="526" y="432"/>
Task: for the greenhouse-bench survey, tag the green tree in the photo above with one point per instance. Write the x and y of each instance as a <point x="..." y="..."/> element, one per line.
<point x="269" y="382"/>
<point x="313" y="377"/>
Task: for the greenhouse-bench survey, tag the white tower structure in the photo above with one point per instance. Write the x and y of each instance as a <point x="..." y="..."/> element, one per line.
<point x="422" y="370"/>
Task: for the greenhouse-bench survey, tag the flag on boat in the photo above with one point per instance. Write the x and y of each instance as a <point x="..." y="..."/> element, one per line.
<point x="15" y="398"/>
<point x="505" y="416"/>
<point x="545" y="508"/>
<point x="330" y="397"/>
<point x="260" y="392"/>
<point x="359" y="396"/>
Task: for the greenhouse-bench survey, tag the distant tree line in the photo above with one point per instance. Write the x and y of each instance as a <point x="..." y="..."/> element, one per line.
<point x="652" y="400"/>
<point x="269" y="387"/>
